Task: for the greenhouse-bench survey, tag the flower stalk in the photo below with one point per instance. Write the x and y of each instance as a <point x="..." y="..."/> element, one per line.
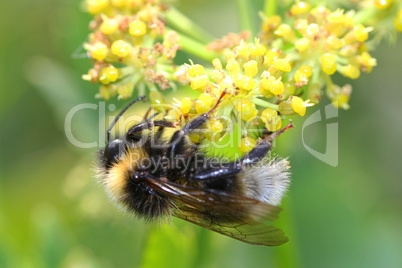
<point x="244" y="9"/>
<point x="178" y="21"/>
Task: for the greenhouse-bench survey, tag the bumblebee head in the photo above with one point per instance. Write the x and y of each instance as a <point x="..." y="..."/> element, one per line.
<point x="114" y="150"/>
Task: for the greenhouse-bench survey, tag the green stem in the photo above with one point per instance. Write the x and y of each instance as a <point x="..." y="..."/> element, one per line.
<point x="151" y="86"/>
<point x="129" y="77"/>
<point x="197" y="49"/>
<point x="270" y="8"/>
<point x="363" y="15"/>
<point x="141" y="89"/>
<point x="166" y="68"/>
<point x="180" y="22"/>
<point x="287" y="255"/>
<point x="265" y="104"/>
<point x="127" y="70"/>
<point x="328" y="80"/>
<point x="316" y="74"/>
<point x="245" y="13"/>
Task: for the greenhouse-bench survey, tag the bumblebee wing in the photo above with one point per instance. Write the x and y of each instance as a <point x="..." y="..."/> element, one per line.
<point x="255" y="234"/>
<point x="229" y="214"/>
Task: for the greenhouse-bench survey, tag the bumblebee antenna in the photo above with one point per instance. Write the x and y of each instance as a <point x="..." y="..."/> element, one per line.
<point x="279" y="132"/>
<point x="120" y="114"/>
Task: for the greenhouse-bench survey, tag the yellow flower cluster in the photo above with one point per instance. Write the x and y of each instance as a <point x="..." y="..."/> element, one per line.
<point x="262" y="83"/>
<point x="255" y="92"/>
<point x="124" y="49"/>
<point x="383" y="15"/>
<point x="321" y="43"/>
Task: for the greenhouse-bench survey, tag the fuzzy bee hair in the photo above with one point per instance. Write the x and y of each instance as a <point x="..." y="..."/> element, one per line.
<point x="155" y="178"/>
<point x="267" y="182"/>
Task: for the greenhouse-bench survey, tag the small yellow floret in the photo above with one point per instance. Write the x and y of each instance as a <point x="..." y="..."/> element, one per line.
<point x="96" y="6"/>
<point x="119" y="3"/>
<point x="196" y="137"/>
<point x="232" y="66"/>
<point x="241" y="51"/>
<point x="302" y="44"/>
<point x="257" y="49"/>
<point x="98" y="51"/>
<point x="328" y="63"/>
<point x="274" y="124"/>
<point x="229" y="55"/>
<point x="108" y="74"/>
<point x="361" y="33"/>
<point x="282" y="65"/>
<point x="245" y="82"/>
<point x="334" y="42"/>
<point x="185" y="105"/>
<point x="300" y="8"/>
<point x="250" y="68"/>
<point x="271" y="23"/>
<point x="300" y="77"/>
<point x="125" y="91"/>
<point x="137" y="28"/>
<point x="217" y="76"/>
<point x="382" y="4"/>
<point x="247" y="144"/>
<point x="216" y="63"/>
<point x="199" y="82"/>
<point x="312" y="30"/>
<point x="121" y="48"/>
<point x="398" y="21"/>
<point x="246" y="109"/>
<point x="109" y="26"/>
<point x="366" y="62"/>
<point x="267" y="114"/>
<point x="271" y="56"/>
<point x="271" y="85"/>
<point x="285" y="32"/>
<point x="214" y="130"/>
<point x="195" y="70"/>
<point x="298" y="105"/>
<point x="306" y="69"/>
<point x="157" y="100"/>
<point x="203" y="103"/>
<point x="351" y="71"/>
<point x="341" y="101"/>
<point x="336" y="17"/>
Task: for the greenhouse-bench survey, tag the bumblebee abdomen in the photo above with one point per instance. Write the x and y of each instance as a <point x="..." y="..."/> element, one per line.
<point x="134" y="195"/>
<point x="145" y="202"/>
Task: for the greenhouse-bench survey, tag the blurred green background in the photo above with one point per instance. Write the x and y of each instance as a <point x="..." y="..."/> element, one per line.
<point x="54" y="214"/>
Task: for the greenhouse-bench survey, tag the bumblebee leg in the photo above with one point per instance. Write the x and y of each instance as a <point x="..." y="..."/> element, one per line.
<point x="263" y="147"/>
<point x="218" y="172"/>
<point x="146" y="114"/>
<point x="162" y="127"/>
<point x="257" y="153"/>
<point x="159" y="133"/>
<point x="177" y="140"/>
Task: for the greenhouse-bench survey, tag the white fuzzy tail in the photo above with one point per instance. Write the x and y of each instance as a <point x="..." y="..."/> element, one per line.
<point x="267" y="181"/>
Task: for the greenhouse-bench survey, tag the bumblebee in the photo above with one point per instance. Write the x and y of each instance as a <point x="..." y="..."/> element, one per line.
<point x="155" y="178"/>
